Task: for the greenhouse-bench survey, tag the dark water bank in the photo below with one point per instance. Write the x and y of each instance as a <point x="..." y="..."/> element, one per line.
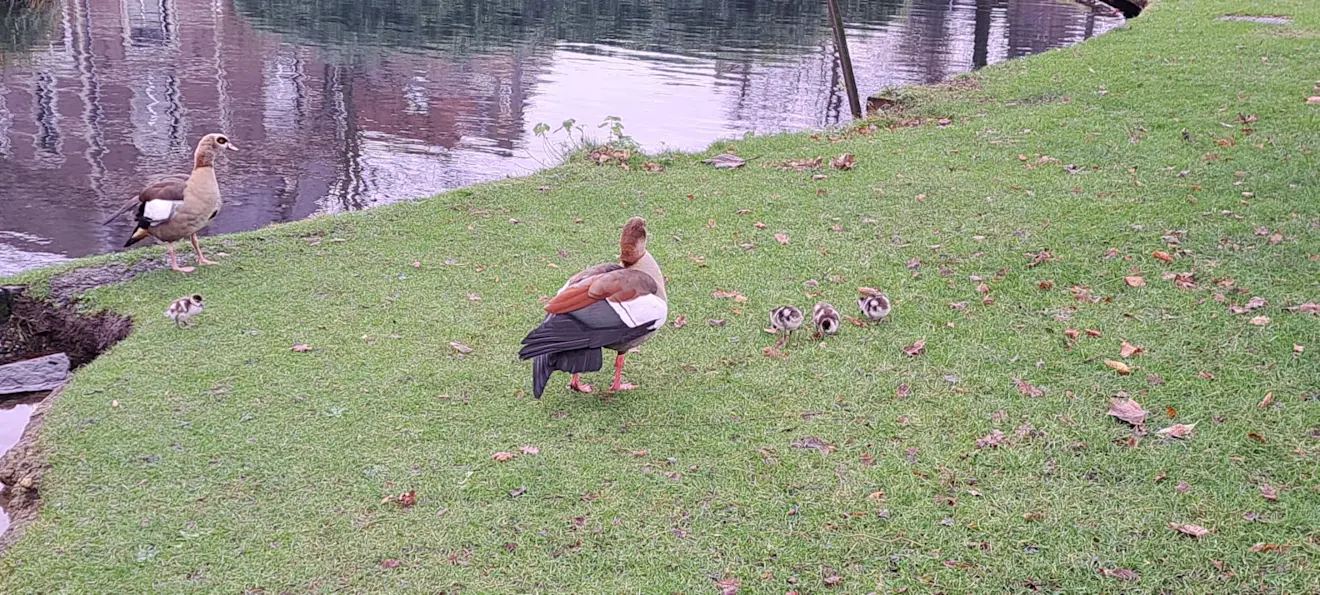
<point x="345" y="104"/>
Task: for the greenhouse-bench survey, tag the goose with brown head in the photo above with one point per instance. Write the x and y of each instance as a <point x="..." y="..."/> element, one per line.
<point x="179" y="206"/>
<point x="615" y="306"/>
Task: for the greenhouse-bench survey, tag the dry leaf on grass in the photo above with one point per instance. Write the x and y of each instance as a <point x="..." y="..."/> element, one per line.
<point x="813" y="442"/>
<point x="1260" y="320"/>
<point x="1128" y="410"/>
<point x="720" y="294"/>
<point x="1262" y="547"/>
<point x="1121" y="574"/>
<point x="916" y="349"/>
<point x="1179" y="431"/>
<point x="652" y="166"/>
<point x="1026" y="388"/>
<point x="300" y="348"/>
<point x="726" y="161"/>
<point x="1120" y="367"/>
<point x="529" y="450"/>
<point x="1186" y="529"/>
<point x="781" y="238"/>
<point x="1311" y="308"/>
<point x="459" y="347"/>
<point x="1162" y="256"/>
<point x="1129" y="350"/>
<point x="991" y="440"/>
<point x="1134" y="281"/>
<point x="1267" y="401"/>
<point x="502" y="456"/>
<point x="844" y="161"/>
<point x="680" y="321"/>
<point x="1268" y="492"/>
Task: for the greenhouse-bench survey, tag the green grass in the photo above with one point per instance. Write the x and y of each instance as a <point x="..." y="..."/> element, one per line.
<point x="233" y="463"/>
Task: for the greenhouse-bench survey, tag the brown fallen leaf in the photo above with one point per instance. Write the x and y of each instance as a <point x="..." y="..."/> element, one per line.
<point x="868" y="290"/>
<point x="982" y="289"/>
<point x="1182" y="487"/>
<point x="639" y="453"/>
<point x="1120" y="367"/>
<point x="775" y="353"/>
<point x="1129" y="350"/>
<point x="652" y="166"/>
<point x="813" y="442"/>
<point x="300" y="348"/>
<point x="1262" y="547"/>
<point x="529" y="450"/>
<point x="1026" y="388"/>
<point x="680" y="321"/>
<point x="389" y="563"/>
<point x="715" y="322"/>
<point x="903" y="391"/>
<point x="991" y="440"/>
<point x="1311" y="308"/>
<point x="1275" y="239"/>
<point x="1268" y="492"/>
<point x="759" y="225"/>
<point x="916" y="349"/>
<point x="1179" y="431"/>
<point x="1260" y="320"/>
<point x="1267" y="401"/>
<point x="1257" y="438"/>
<point x="1134" y="281"/>
<point x="728" y="586"/>
<point x="781" y="238"/>
<point x="408" y="499"/>
<point x="1186" y="529"/>
<point x="502" y="456"/>
<point x="830" y="577"/>
<point x="844" y="161"/>
<point x="1162" y="256"/>
<point x="720" y="294"/>
<point x="1045" y="285"/>
<point x="1121" y="574"/>
<point x="1072" y="333"/>
<point x="876" y="495"/>
<point x="1313" y="100"/>
<point x="1127" y="410"/>
<point x="459" y="347"/>
<point x="1090" y="332"/>
<point x="725" y="161"/>
<point x="1171" y="412"/>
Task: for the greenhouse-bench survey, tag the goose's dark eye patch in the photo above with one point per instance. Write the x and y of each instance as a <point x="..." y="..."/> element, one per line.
<point x="222" y="140"/>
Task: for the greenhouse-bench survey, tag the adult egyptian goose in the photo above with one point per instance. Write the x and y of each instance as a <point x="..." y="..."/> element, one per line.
<point x="615" y="306"/>
<point x="176" y="207"/>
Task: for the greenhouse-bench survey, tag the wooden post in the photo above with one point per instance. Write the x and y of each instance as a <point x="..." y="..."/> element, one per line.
<point x="841" y="45"/>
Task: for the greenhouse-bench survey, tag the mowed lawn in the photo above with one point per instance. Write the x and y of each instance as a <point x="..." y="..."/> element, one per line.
<point x="1140" y="188"/>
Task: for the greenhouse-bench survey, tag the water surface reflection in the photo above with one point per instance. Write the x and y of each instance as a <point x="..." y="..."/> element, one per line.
<point x="345" y="104"/>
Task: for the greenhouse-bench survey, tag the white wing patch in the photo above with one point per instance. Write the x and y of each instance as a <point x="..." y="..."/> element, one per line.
<point x="647" y="309"/>
<point x="159" y="210"/>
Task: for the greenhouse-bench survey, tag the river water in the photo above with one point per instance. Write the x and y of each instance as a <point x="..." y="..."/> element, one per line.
<point x="346" y="104"/>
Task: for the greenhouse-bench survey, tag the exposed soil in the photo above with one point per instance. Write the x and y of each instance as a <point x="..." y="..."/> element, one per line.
<point x="37" y="327"/>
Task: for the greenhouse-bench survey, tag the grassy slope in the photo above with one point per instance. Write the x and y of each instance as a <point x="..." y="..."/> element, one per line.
<point x="234" y="463"/>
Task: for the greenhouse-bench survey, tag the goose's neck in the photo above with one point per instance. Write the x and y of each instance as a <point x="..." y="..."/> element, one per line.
<point x="648" y="265"/>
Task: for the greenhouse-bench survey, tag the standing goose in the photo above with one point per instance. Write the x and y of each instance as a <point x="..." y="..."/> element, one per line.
<point x="178" y="206"/>
<point x="615" y="306"/>
<point x="785" y="319"/>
